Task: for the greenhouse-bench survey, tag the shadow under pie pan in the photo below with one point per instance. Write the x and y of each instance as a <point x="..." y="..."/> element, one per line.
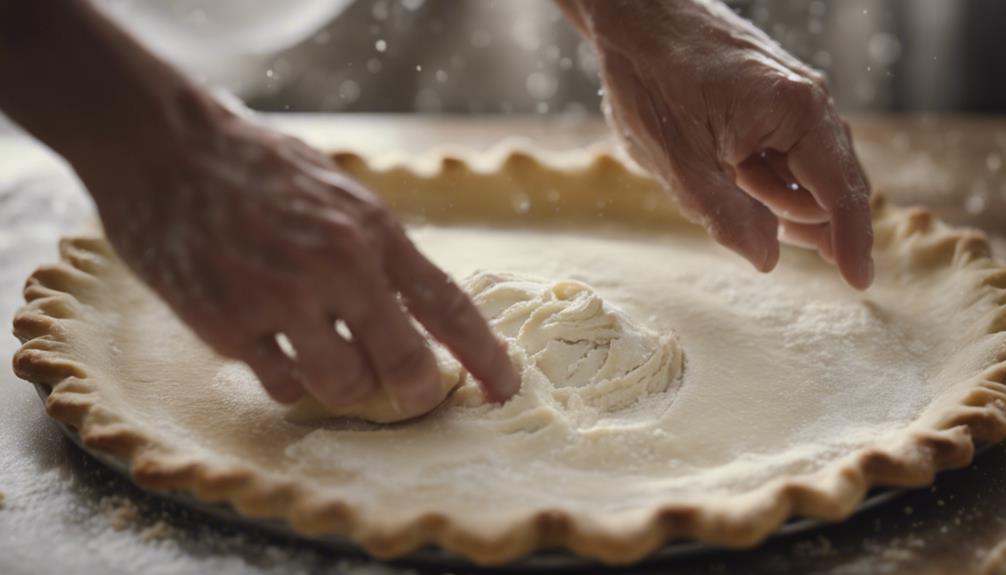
<point x="431" y="557"/>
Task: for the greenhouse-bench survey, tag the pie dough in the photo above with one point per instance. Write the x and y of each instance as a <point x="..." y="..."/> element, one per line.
<point x="571" y="346"/>
<point x="582" y="353"/>
<point x="380" y="407"/>
<point x="781" y="395"/>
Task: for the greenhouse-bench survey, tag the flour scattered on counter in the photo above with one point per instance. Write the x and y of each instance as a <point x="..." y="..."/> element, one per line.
<point x="124" y="514"/>
<point x="815" y="548"/>
<point x="879" y="556"/>
<point x="159" y="531"/>
<point x="120" y="511"/>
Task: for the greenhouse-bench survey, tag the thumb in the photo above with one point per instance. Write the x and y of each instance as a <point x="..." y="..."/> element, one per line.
<point x="731" y="217"/>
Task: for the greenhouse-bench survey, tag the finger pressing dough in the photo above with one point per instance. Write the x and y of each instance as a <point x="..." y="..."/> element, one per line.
<point x="589" y="353"/>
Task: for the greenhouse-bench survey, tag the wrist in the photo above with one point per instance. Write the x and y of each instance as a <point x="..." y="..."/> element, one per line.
<point x="141" y="154"/>
<point x="663" y="28"/>
<point x="90" y="91"/>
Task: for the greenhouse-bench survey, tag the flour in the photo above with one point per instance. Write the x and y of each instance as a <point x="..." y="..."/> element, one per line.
<point x="590" y="375"/>
<point x="782" y="376"/>
<point x="835" y="339"/>
<point x="51" y="517"/>
<point x="593" y="356"/>
<point x="816" y="548"/>
<point x="804" y="325"/>
<point x="120" y="511"/>
<point x="594" y="408"/>
<point x="158" y="531"/>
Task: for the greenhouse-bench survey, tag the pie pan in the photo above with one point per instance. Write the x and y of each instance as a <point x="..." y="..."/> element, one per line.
<point x="799" y="396"/>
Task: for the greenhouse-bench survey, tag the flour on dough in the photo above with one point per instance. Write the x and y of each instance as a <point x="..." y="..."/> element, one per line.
<point x="590" y="354"/>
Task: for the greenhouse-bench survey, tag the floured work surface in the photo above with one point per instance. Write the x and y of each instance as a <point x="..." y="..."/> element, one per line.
<point x="795" y="393"/>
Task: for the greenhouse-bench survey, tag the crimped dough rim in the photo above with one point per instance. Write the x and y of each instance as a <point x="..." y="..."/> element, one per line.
<point x="942" y="437"/>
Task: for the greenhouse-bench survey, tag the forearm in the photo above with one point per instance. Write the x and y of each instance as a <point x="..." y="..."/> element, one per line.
<point x="82" y="86"/>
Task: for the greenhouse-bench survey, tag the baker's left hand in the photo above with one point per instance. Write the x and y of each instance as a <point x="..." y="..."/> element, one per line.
<point x="745" y="135"/>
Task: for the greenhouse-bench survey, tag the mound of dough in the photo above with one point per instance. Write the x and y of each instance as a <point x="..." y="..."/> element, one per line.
<point x="590" y="353"/>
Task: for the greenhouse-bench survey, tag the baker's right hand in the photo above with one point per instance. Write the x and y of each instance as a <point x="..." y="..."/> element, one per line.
<point x="247" y="233"/>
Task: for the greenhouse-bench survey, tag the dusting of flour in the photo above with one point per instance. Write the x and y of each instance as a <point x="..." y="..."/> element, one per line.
<point x="839" y="341"/>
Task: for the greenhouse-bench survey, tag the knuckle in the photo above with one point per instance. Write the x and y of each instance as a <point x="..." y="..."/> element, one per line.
<point x="378" y="222"/>
<point x="367" y="231"/>
<point x="818" y="100"/>
<point x="691" y="202"/>
<point x="819" y="79"/>
<point x="269" y="155"/>
<point x="804" y="93"/>
<point x="348" y="237"/>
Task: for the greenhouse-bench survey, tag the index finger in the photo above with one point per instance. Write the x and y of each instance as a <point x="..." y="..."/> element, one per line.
<point x="450" y="316"/>
<point x="823" y="162"/>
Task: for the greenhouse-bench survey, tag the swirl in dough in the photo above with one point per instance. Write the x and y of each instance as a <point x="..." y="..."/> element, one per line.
<point x="588" y="351"/>
<point x="590" y="354"/>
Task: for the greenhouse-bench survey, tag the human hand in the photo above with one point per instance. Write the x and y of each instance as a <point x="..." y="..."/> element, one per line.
<point x="745" y="135"/>
<point x="247" y="234"/>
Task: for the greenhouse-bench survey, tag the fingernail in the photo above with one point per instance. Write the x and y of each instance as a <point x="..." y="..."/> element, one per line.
<point x="769" y="257"/>
<point x="869" y="272"/>
<point x="509" y="385"/>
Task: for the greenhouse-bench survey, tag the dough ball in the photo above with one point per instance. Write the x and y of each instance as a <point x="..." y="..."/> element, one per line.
<point x="379" y="407"/>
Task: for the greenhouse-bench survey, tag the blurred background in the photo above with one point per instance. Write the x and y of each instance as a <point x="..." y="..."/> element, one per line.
<point x="520" y="57"/>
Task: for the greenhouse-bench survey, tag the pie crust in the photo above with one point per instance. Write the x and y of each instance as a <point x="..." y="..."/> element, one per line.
<point x="797" y="395"/>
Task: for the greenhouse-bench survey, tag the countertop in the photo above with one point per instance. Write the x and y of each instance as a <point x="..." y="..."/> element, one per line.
<point x="62" y="512"/>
